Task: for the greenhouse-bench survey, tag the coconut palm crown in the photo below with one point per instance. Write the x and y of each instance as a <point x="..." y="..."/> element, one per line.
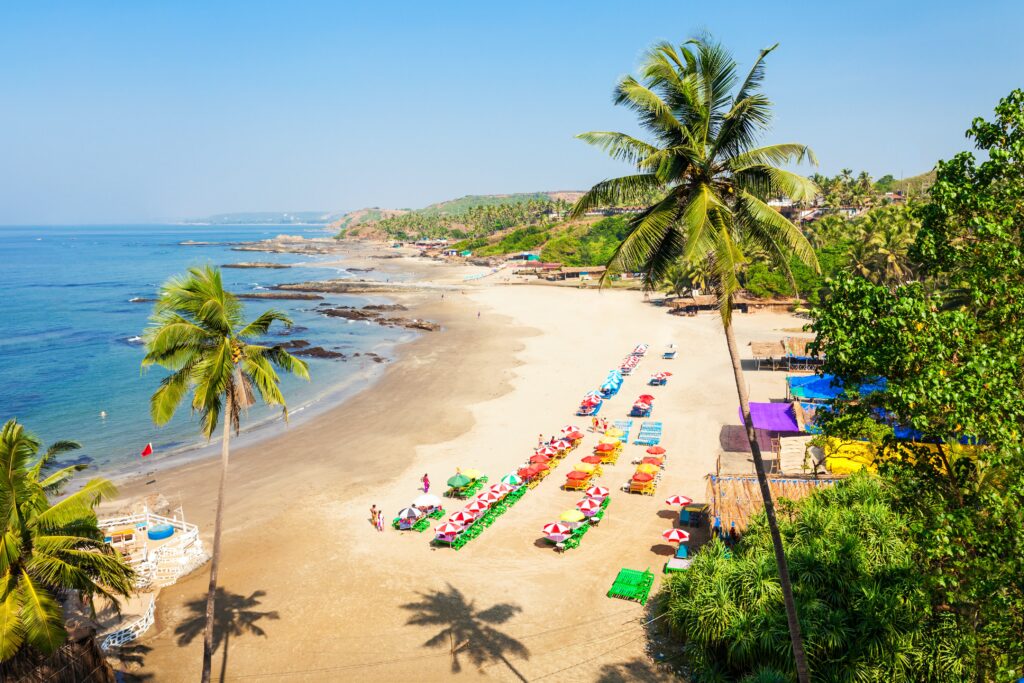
<point x="197" y="331"/>
<point x="48" y="549"/>
<point x="704" y="162"/>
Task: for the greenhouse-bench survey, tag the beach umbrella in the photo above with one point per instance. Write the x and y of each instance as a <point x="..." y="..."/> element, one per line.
<point x="511" y="480"/>
<point x="476" y="507"/>
<point x="540" y="466"/>
<point x="427" y="500"/>
<point x="614" y="431"/>
<point x="665" y="374"/>
<point x="539" y="458"/>
<point x="576" y="475"/>
<point x="458" y="481"/>
<point x="584" y="467"/>
<point x="489" y="497"/>
<point x="651" y="460"/>
<point x="597" y="492"/>
<point x="610" y="440"/>
<point x="408" y="513"/>
<point x="589" y="506"/>
<point x="526" y="472"/>
<point x="572" y="516"/>
<point x="648" y="468"/>
<point x="448" y="529"/>
<point x="656" y="450"/>
<point x="591" y="401"/>
<point x="569" y="428"/>
<point x="643" y="477"/>
<point x="646" y="398"/>
<point x="593" y="459"/>
<point x="502" y="488"/>
<point x="676" y="535"/>
<point x="561" y="444"/>
<point x="575" y="436"/>
<point x="472" y="474"/>
<point x="556" y="528"/>
<point x="557" y="532"/>
<point x="681" y="501"/>
<point x="547" y="450"/>
<point x="462" y="517"/>
<point x="604" y="448"/>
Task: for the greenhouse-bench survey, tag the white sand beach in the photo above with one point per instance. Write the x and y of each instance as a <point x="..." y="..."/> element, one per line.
<point x="315" y="594"/>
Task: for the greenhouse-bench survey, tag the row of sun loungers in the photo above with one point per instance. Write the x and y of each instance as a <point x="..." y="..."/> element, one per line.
<point x="416" y="518"/>
<point x="650" y="434"/>
<point x="642" y="406"/>
<point x="631" y="584"/>
<point x="471" y="521"/>
<point x="567" y="533"/>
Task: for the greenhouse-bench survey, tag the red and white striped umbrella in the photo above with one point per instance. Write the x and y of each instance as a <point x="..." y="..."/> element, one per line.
<point x="589" y="506"/>
<point x="574" y="435"/>
<point x="546" y="450"/>
<point x="489" y="497"/>
<point x="557" y="529"/>
<point x="681" y="501"/>
<point x="568" y="429"/>
<point x="462" y="517"/>
<point x="561" y="444"/>
<point x="676" y="535"/>
<point x="597" y="492"/>
<point x="476" y="507"/>
<point x="502" y="488"/>
<point x="448" y="529"/>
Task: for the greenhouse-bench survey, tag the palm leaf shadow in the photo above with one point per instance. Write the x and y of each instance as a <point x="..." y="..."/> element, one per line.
<point x="467" y="631"/>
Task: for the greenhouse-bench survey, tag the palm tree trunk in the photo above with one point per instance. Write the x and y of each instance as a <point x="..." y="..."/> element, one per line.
<point x="215" y="557"/>
<point x="796" y="639"/>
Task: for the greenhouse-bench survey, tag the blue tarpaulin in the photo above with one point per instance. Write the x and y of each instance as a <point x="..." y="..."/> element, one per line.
<point x="825" y="387"/>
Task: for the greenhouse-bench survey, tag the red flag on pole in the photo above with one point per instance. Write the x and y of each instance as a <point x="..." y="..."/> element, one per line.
<point x="148" y="450"/>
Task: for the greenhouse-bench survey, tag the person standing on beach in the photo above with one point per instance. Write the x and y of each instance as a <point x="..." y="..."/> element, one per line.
<point x="426" y="484"/>
<point x="373" y="515"/>
<point x="540" y="440"/>
<point x="380" y="520"/>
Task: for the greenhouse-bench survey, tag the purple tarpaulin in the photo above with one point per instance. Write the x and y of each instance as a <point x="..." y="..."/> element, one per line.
<point x="773" y="417"/>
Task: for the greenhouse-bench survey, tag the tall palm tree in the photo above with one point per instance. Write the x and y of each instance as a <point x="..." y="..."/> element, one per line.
<point x="48" y="549"/>
<point x="198" y="333"/>
<point x="713" y="181"/>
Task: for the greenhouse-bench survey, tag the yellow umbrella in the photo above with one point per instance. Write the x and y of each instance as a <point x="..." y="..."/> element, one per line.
<point x="472" y="474"/>
<point x="610" y="440"/>
<point x="614" y="431"/>
<point x="648" y="468"/>
<point x="572" y="516"/>
<point x="584" y="467"/>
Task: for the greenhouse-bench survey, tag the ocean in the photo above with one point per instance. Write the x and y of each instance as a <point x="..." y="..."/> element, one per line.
<point x="70" y="350"/>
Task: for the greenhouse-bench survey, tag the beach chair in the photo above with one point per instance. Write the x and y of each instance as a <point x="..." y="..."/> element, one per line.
<point x="576" y="484"/>
<point x="669" y="355"/>
<point x="631" y="584"/>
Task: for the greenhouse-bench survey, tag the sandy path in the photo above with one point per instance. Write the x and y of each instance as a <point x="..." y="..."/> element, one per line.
<point x="336" y="598"/>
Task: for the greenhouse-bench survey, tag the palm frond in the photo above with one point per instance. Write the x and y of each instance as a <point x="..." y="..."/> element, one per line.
<point x="616" y="191"/>
<point x="76" y="505"/>
<point x="773" y="155"/>
<point x="42" y="622"/>
<point x="768" y="181"/>
<point x="261" y="325"/>
<point x="652" y="245"/>
<point x="776" y="227"/>
<point x="619" y="146"/>
<point x="11" y="629"/>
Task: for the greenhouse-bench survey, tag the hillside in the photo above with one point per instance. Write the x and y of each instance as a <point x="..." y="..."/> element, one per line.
<point x="915" y="185"/>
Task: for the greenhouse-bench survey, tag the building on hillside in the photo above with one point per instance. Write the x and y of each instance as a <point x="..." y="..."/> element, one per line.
<point x="575" y="272"/>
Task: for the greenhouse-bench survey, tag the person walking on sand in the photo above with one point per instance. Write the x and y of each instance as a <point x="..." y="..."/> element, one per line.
<point x="380" y="520"/>
<point x="373" y="515"/>
<point x="540" y="440"/>
<point x="426" y="483"/>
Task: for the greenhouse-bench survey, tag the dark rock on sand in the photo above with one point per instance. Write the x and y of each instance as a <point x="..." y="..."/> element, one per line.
<point x="385" y="307"/>
<point x="349" y="313"/>
<point x="296" y="296"/>
<point x="255" y="264"/>
<point x="317" y="352"/>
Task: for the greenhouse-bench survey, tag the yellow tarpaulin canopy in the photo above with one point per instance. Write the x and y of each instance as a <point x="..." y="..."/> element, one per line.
<point x="572" y="516"/>
<point x="584" y="467"/>
<point x="472" y="474"/>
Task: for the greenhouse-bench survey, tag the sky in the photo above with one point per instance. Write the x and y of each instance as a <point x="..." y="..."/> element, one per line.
<point x="122" y="112"/>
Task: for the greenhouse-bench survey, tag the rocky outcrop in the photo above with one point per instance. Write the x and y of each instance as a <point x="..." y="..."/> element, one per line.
<point x="255" y="264"/>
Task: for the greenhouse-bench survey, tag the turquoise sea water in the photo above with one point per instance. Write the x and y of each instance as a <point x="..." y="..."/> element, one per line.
<point x="69" y="347"/>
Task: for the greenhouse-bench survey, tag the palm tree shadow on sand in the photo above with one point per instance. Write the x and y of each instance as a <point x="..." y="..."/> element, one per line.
<point x="467" y="631"/>
<point x="235" y="615"/>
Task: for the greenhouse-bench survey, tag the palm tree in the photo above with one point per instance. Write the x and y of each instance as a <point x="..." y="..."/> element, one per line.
<point x="48" y="550"/>
<point x="198" y="333"/>
<point x="713" y="181"/>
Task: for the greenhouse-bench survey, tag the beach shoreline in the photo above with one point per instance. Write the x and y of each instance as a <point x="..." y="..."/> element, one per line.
<point x="510" y="361"/>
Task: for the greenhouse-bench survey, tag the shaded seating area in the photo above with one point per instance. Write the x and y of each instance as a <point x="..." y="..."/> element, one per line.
<point x="468" y="523"/>
<point x="573" y="524"/>
<point x="642" y="406"/>
<point x="590" y="405"/>
<point x="417" y="516"/>
<point x="659" y="379"/>
<point x="465" y="484"/>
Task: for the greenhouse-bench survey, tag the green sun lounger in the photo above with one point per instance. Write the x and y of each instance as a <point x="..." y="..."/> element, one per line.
<point x="632" y="584"/>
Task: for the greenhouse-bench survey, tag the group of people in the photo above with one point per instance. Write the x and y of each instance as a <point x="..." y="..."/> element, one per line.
<point x="598" y="424"/>
<point x="377" y="518"/>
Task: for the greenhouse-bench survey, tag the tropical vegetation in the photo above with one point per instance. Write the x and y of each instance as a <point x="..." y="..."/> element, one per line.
<point x="198" y="333"/>
<point x="936" y="591"/>
<point x="703" y="160"/>
<point x="51" y="551"/>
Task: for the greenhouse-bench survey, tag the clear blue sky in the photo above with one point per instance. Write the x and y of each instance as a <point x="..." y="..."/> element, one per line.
<point x="140" y="111"/>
